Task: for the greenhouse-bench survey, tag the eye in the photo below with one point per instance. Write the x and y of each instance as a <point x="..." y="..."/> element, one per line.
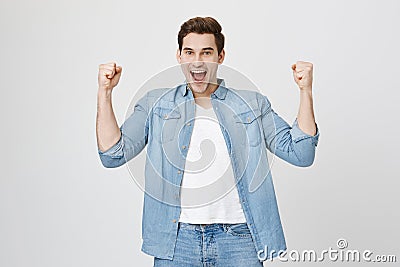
<point x="207" y="53"/>
<point x="188" y="52"/>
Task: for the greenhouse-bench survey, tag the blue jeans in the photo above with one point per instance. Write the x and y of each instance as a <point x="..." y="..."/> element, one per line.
<point x="213" y="245"/>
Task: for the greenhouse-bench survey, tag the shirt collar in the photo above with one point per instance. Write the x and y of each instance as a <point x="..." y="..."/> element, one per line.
<point x="220" y="92"/>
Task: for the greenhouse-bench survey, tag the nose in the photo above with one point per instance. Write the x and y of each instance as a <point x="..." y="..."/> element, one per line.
<point x="198" y="63"/>
<point x="198" y="58"/>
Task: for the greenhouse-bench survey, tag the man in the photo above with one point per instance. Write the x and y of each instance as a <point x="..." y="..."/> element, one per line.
<point x="197" y="218"/>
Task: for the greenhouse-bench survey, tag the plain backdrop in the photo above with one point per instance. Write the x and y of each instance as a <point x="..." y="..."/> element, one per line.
<point x="60" y="207"/>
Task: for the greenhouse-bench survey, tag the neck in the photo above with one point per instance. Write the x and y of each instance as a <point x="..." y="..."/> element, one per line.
<point x="211" y="87"/>
<point x="203" y="102"/>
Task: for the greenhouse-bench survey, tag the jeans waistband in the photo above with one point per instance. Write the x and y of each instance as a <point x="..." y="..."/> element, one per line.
<point x="203" y="227"/>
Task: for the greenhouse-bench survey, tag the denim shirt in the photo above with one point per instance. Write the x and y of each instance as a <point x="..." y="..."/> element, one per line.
<point x="163" y="120"/>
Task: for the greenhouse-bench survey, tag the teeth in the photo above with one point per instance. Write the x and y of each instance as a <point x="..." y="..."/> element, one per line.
<point x="198" y="71"/>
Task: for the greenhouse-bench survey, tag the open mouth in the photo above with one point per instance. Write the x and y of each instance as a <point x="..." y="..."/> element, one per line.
<point x="198" y="75"/>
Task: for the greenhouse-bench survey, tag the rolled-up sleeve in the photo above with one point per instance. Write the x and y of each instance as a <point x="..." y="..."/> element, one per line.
<point x="134" y="137"/>
<point x="287" y="142"/>
<point x="298" y="134"/>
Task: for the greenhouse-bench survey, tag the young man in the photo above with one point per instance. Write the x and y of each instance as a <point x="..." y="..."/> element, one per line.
<point x="197" y="216"/>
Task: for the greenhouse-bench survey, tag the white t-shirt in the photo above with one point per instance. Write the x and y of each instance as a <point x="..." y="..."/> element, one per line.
<point x="208" y="189"/>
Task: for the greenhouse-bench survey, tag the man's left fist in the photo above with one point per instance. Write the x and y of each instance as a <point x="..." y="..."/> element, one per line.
<point x="303" y="74"/>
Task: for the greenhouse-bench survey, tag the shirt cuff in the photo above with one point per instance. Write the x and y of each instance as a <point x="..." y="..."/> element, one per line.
<point x="298" y="134"/>
<point x="115" y="151"/>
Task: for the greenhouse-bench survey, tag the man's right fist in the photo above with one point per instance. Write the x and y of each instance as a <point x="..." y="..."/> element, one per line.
<point x="109" y="75"/>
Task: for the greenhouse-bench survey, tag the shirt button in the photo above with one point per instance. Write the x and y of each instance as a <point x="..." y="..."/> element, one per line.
<point x="188" y="124"/>
<point x="248" y="119"/>
<point x="179" y="172"/>
<point x="165" y="116"/>
<point x="174" y="221"/>
<point x="183" y="146"/>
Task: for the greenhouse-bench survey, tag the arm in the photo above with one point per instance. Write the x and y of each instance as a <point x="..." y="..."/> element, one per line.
<point x="107" y="131"/>
<point x="295" y="144"/>
<point x="303" y="74"/>
<point x="287" y="142"/>
<point x="116" y="146"/>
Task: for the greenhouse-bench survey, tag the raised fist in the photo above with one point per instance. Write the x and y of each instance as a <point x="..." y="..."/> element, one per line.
<point x="303" y="74"/>
<point x="108" y="76"/>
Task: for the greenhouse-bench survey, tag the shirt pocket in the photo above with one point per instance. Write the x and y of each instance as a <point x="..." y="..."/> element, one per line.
<point x="248" y="125"/>
<point x="166" y="124"/>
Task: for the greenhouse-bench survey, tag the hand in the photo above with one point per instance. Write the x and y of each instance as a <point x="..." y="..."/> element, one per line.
<point x="108" y="76"/>
<point x="303" y="74"/>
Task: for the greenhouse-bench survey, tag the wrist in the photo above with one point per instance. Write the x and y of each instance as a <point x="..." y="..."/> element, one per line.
<point x="306" y="91"/>
<point x="104" y="94"/>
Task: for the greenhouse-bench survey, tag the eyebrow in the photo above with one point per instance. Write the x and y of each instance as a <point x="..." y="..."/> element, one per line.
<point x="203" y="49"/>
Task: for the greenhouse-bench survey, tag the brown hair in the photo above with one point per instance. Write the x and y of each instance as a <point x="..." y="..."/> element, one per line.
<point x="202" y="25"/>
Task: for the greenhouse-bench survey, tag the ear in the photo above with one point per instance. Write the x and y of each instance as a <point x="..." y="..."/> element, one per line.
<point x="178" y="55"/>
<point x="221" y="56"/>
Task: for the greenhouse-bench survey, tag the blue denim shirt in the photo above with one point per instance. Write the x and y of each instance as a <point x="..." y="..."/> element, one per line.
<point x="163" y="120"/>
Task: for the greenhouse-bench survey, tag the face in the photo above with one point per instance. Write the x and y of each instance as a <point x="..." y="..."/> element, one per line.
<point x="199" y="60"/>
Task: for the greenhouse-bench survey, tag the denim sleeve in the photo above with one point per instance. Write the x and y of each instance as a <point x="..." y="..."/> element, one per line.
<point x="134" y="137"/>
<point x="287" y="142"/>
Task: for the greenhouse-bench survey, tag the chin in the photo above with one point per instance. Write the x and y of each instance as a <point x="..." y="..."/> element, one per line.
<point x="199" y="88"/>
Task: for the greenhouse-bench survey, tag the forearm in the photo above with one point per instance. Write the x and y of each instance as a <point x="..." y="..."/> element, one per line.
<point x="107" y="130"/>
<point x="305" y="116"/>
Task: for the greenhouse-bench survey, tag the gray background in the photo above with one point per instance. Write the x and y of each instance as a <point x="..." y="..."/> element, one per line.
<point x="60" y="207"/>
